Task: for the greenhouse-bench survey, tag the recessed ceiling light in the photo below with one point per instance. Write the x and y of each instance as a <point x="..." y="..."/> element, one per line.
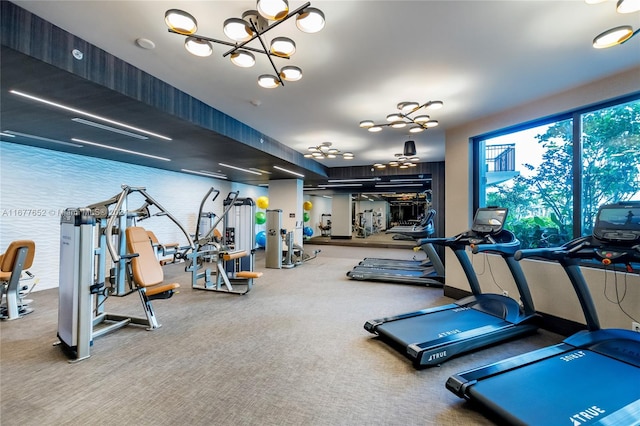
<point x="108" y="128"/>
<point x="40" y="138"/>
<point x="240" y="168"/>
<point x="87" y="114"/>
<point x="288" y="171"/>
<point x="204" y="173"/>
<point x="145" y="43"/>
<point x="128" y="151"/>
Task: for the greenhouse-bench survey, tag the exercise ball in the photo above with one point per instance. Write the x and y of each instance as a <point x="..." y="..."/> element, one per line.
<point x="261" y="218"/>
<point x="305" y="216"/>
<point x="307" y="205"/>
<point x="261" y="238"/>
<point x="308" y="231"/>
<point x="262" y="202"/>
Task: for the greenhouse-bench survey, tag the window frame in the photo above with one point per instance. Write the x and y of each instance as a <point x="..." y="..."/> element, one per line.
<point x="575" y="115"/>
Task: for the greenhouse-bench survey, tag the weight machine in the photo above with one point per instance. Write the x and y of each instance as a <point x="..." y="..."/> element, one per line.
<point x="277" y="238"/>
<point x="233" y="252"/>
<point x="15" y="261"/>
<point x="122" y="262"/>
<point x="325" y="224"/>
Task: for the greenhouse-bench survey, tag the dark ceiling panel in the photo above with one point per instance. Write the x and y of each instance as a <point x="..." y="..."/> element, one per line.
<point x="192" y="147"/>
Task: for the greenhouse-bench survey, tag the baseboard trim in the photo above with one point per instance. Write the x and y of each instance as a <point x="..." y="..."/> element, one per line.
<point x="548" y="322"/>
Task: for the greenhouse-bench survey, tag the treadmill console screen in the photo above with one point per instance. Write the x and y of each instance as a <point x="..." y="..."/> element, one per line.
<point x="489" y="220"/>
<point x="618" y="223"/>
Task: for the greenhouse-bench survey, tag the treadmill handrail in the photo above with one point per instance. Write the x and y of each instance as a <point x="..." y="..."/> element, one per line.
<point x="508" y="248"/>
<point x="476" y="241"/>
<point x="555" y="253"/>
<point x="568" y="256"/>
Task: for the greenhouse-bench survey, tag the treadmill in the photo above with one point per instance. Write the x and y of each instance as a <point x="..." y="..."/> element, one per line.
<point x="431" y="336"/>
<point x="396" y="271"/>
<point x="593" y="376"/>
<point x="423" y="230"/>
<point x="432" y="276"/>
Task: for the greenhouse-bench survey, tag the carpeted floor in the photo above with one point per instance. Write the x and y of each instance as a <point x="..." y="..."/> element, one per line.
<point x="291" y="352"/>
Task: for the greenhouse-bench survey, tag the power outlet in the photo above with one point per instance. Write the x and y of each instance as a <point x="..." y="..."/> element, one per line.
<point x="635" y="326"/>
<point x="505" y="293"/>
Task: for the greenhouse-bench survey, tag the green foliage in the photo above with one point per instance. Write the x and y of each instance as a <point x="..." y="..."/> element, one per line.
<point x="541" y="204"/>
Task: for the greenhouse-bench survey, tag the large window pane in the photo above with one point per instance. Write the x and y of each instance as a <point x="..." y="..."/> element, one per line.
<point x="530" y="173"/>
<point x="610" y="158"/>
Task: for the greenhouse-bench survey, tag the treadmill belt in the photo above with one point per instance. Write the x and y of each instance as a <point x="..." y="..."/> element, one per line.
<point x="575" y="388"/>
<point x="386" y="272"/>
<point x="437" y="325"/>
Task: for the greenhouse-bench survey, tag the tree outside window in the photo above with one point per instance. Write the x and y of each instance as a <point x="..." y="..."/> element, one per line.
<point x="538" y="185"/>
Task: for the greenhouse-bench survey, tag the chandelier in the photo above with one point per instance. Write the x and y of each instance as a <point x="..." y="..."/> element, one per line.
<point x="403" y="118"/>
<point x="324" y="150"/>
<point x="253" y="25"/>
<point x="617" y="35"/>
<point x="404" y="160"/>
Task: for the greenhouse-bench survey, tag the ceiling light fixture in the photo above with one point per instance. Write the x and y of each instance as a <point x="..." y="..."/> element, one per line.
<point x="11" y="133"/>
<point x="128" y="151"/>
<point x="282" y="169"/>
<point x="387" y="185"/>
<point x="205" y="173"/>
<point x="628" y="6"/>
<point x="339" y="185"/>
<point x="403" y="160"/>
<point x="374" y="179"/>
<point x="399" y="120"/>
<point x="108" y="128"/>
<point x="259" y="170"/>
<point x="621" y="34"/>
<point x="324" y="150"/>
<point x="240" y="169"/>
<point x="253" y="25"/>
<point x="87" y="114"/>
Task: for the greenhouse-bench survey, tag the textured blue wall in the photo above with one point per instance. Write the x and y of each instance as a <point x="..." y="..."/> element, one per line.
<point x="37" y="184"/>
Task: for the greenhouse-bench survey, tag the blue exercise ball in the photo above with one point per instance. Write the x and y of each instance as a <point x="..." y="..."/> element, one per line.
<point x="261" y="238"/>
<point x="308" y="231"/>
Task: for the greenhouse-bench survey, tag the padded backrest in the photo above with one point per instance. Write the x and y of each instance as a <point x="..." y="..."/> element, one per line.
<point x="145" y="267"/>
<point x="9" y="256"/>
<point x="153" y="238"/>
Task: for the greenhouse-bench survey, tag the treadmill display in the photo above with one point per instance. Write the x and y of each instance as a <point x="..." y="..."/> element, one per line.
<point x="489" y="220"/>
<point x="618" y="223"/>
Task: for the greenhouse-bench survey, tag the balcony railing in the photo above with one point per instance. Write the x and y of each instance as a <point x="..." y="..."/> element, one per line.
<point x="501" y="158"/>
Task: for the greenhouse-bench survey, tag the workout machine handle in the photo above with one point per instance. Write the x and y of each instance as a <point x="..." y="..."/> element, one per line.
<point x="224" y="213"/>
<point x="116" y="212"/>
<point x="555" y="253"/>
<point x="169" y="215"/>
<point x="204" y="200"/>
<point x="126" y="190"/>
<point x="506" y="248"/>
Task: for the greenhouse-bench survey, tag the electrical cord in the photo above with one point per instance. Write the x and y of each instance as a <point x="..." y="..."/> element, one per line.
<point x="618" y="299"/>
<point x="486" y="263"/>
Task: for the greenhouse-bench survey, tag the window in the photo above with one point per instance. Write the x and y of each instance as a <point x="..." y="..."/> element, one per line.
<point x="553" y="175"/>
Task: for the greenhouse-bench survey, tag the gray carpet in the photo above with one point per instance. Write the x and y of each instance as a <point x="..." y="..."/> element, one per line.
<point x="291" y="352"/>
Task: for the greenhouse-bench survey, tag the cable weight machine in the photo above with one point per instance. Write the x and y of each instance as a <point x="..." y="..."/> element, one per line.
<point x="232" y="252"/>
<point x="95" y="264"/>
